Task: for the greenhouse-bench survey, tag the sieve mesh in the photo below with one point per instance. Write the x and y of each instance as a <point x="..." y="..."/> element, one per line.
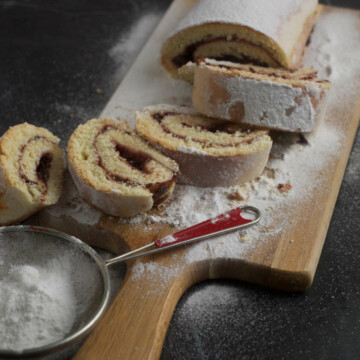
<point x="24" y="245"/>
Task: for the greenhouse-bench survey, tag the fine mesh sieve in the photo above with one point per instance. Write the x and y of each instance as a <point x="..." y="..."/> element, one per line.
<point x="36" y="246"/>
<point x="29" y="245"/>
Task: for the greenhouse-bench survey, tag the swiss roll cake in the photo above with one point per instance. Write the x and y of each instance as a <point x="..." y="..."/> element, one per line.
<point x="117" y="171"/>
<point x="261" y="32"/>
<point x="210" y="152"/>
<point x="262" y="97"/>
<point x="31" y="172"/>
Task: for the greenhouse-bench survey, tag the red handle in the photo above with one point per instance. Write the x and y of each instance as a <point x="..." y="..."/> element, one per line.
<point x="224" y="221"/>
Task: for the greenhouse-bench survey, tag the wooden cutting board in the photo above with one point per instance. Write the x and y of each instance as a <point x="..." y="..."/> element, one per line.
<point x="135" y="325"/>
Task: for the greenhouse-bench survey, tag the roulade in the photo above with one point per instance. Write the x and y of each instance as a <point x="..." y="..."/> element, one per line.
<point x="116" y="171"/>
<point x="261" y="97"/>
<point x="260" y="32"/>
<point x="209" y="152"/>
<point x="31" y="172"/>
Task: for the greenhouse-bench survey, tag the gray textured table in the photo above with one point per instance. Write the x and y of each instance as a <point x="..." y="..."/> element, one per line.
<point x="60" y="61"/>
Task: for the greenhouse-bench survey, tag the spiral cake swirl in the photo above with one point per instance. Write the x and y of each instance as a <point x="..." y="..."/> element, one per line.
<point x="117" y="171"/>
<point x="210" y="152"/>
<point x="31" y="172"/>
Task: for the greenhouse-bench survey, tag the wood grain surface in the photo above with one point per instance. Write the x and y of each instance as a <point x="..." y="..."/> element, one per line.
<point x="135" y="325"/>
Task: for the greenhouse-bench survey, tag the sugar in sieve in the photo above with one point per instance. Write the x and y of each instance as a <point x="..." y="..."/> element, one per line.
<point x="90" y="274"/>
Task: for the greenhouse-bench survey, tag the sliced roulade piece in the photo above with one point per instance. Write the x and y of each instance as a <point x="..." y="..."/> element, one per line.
<point x="31" y="172"/>
<point x="209" y="152"/>
<point x="117" y="171"/>
<point x="260" y="32"/>
<point x="261" y="97"/>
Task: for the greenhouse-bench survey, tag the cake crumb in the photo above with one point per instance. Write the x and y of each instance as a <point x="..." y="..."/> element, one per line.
<point x="244" y="238"/>
<point x="270" y="173"/>
<point x="238" y="194"/>
<point x="284" y="187"/>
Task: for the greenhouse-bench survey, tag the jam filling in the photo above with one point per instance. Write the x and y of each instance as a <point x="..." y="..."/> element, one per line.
<point x="158" y="117"/>
<point x="42" y="168"/>
<point x="213" y="128"/>
<point x="188" y="54"/>
<point x="302" y="139"/>
<point x="105" y="128"/>
<point x="290" y="76"/>
<point x="160" y="190"/>
<point x="137" y="160"/>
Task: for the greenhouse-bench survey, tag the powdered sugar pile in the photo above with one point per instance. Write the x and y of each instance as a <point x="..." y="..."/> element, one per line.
<point x="37" y="305"/>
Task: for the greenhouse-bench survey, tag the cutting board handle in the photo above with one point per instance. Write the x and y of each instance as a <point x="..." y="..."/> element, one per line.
<point x="135" y="325"/>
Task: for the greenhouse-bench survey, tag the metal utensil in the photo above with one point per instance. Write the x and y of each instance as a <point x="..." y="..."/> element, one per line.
<point x="221" y="224"/>
<point x="90" y="274"/>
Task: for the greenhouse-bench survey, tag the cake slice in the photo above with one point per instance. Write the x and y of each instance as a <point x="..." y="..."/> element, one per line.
<point x="116" y="171"/>
<point x="261" y="97"/>
<point x="210" y="152"/>
<point x="31" y="172"/>
<point x="260" y="32"/>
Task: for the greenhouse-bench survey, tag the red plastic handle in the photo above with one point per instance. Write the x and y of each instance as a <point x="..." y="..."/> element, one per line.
<point x="224" y="221"/>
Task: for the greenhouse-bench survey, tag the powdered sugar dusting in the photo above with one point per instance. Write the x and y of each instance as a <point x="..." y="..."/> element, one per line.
<point x="264" y="102"/>
<point x="129" y="44"/>
<point x="333" y="51"/>
<point x="132" y="95"/>
<point x="260" y="15"/>
<point x="353" y="169"/>
<point x="147" y="270"/>
<point x="73" y="206"/>
<point x="167" y="240"/>
<point x="291" y="162"/>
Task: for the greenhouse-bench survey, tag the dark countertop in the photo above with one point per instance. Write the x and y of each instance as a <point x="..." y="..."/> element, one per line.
<point x="56" y="71"/>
